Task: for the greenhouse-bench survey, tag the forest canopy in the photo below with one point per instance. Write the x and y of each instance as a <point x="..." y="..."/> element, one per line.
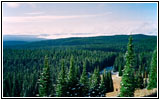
<point x="77" y="61"/>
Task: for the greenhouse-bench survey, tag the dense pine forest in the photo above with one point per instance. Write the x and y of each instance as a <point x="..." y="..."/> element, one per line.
<point x="71" y="67"/>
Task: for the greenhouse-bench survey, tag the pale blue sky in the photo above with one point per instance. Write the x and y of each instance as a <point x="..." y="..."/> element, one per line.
<point x="59" y="20"/>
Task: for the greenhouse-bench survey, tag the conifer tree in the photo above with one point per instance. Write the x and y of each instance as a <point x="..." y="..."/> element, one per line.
<point x="77" y="73"/>
<point x="71" y="75"/>
<point x="106" y="81"/>
<point x="153" y="72"/>
<point x="95" y="83"/>
<point x="145" y="83"/>
<point x="44" y="81"/>
<point x="15" y="85"/>
<point x="119" y="62"/>
<point x="72" y="82"/>
<point x="139" y="80"/>
<point x="84" y="79"/>
<point x="120" y="70"/>
<point x="102" y="87"/>
<point x="5" y="88"/>
<point x="78" y="92"/>
<point x="110" y="82"/>
<point x="127" y="83"/>
<point x="61" y="82"/>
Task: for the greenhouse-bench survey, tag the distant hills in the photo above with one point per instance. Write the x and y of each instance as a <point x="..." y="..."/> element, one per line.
<point x="101" y="42"/>
<point x="26" y="38"/>
<point x="92" y="40"/>
<point x="12" y="40"/>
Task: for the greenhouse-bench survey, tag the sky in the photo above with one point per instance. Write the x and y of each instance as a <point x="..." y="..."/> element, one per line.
<point x="61" y="20"/>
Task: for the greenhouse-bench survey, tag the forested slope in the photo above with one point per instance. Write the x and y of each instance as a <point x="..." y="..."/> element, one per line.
<point x="22" y="64"/>
<point x="104" y="43"/>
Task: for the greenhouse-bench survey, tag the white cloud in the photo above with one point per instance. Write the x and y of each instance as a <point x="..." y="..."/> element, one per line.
<point x="66" y="35"/>
<point x="16" y="5"/>
<point x="34" y="13"/>
<point x="13" y="4"/>
<point x="64" y="29"/>
<point x="44" y="18"/>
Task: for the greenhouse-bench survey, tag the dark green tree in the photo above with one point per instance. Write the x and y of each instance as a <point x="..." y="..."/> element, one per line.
<point x="61" y="82"/>
<point x="119" y="62"/>
<point x="44" y="81"/>
<point x="153" y="72"/>
<point x="110" y="82"/>
<point x="120" y="70"/>
<point x="102" y="86"/>
<point x="84" y="79"/>
<point x="71" y="75"/>
<point x="72" y="82"/>
<point x="127" y="83"/>
<point x="95" y="83"/>
<point x="145" y="83"/>
<point x="77" y="73"/>
<point x="5" y="88"/>
<point x="139" y="80"/>
<point x="106" y="80"/>
<point x="16" y="86"/>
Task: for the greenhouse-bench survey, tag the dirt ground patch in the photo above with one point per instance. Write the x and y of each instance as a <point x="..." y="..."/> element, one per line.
<point x="138" y="92"/>
<point x="116" y="84"/>
<point x="144" y="92"/>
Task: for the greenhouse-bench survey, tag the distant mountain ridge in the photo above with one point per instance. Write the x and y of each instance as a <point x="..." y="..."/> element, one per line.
<point x="26" y="38"/>
<point x="14" y="43"/>
<point x="91" y="40"/>
<point x="114" y="40"/>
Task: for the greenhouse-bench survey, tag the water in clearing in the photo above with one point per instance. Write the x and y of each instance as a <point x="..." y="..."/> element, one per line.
<point x="108" y="68"/>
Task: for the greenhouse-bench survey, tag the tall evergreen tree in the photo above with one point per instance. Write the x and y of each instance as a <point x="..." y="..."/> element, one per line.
<point x="72" y="82"/>
<point x="102" y="87"/>
<point x="84" y="79"/>
<point x="139" y="80"/>
<point x="119" y="62"/>
<point x="127" y="83"/>
<point x="145" y="83"/>
<point x="106" y="80"/>
<point x="120" y="70"/>
<point x="153" y="72"/>
<point x="71" y="75"/>
<point x="44" y="81"/>
<point x="110" y="82"/>
<point x="77" y="73"/>
<point x="140" y="77"/>
<point x="95" y="83"/>
<point x="5" y="88"/>
<point x="61" y="82"/>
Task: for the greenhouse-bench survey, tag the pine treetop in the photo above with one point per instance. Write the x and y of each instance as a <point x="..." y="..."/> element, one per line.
<point x="127" y="82"/>
<point x="84" y="77"/>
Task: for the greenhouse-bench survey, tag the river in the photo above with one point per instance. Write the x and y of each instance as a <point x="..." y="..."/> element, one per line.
<point x="108" y="68"/>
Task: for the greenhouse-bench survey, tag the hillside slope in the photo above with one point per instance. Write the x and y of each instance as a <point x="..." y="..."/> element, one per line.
<point x="103" y="43"/>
